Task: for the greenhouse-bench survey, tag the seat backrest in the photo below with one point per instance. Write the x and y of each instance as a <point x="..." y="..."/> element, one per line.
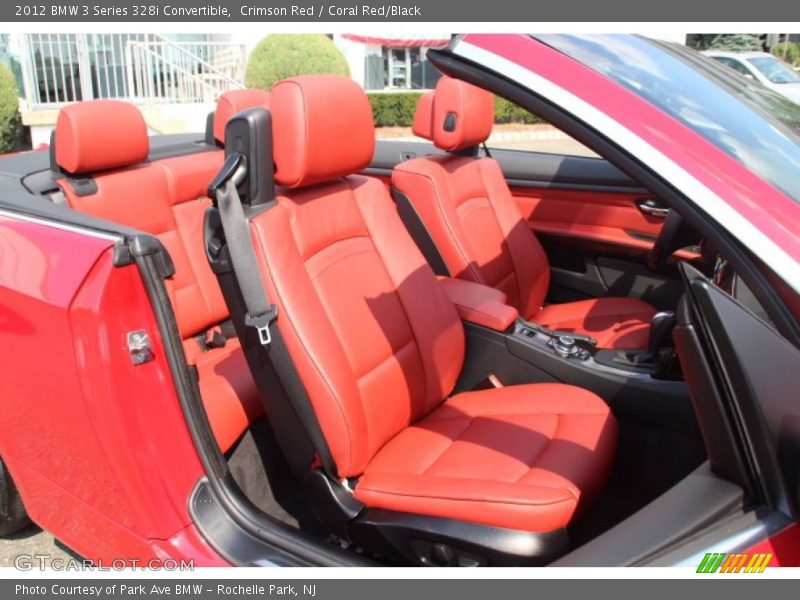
<point x="102" y="146"/>
<point x="464" y="201"/>
<point x="375" y="341"/>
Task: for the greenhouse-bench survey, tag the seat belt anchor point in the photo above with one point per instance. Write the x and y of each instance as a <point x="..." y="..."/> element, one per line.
<point x="261" y="323"/>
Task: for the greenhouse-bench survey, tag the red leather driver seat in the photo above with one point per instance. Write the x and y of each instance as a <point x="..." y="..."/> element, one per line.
<point x="469" y="213"/>
<point x="378" y="347"/>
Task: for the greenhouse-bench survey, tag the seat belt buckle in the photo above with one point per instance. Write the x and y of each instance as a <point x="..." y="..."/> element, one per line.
<point x="262" y="323"/>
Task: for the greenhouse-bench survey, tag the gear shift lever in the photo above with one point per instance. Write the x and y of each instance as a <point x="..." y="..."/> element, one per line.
<point x="660" y="327"/>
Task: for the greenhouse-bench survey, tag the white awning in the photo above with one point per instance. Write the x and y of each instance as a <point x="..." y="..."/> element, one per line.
<point x="401" y="41"/>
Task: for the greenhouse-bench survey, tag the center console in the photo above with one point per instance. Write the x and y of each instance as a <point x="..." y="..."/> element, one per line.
<point x="639" y="385"/>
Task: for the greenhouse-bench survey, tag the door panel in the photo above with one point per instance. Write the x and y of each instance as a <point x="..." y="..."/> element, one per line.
<point x="607" y="217"/>
<point x="97" y="445"/>
<point x="596" y="224"/>
<point x="580" y="199"/>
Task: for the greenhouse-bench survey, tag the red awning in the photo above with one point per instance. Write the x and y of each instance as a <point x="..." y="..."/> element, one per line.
<point x="401" y="41"/>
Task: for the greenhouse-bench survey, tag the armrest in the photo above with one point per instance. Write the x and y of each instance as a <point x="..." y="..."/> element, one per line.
<point x="479" y="304"/>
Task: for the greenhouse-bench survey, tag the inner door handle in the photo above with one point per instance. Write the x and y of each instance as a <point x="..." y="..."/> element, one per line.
<point x="653" y="208"/>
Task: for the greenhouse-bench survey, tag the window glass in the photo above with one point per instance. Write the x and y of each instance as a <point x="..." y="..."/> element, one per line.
<point x="518" y="129"/>
<point x="753" y="124"/>
<point x="733" y="64"/>
<point x="775" y="70"/>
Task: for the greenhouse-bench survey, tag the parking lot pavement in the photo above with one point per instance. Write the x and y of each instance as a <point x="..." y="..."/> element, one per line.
<point x="32" y="541"/>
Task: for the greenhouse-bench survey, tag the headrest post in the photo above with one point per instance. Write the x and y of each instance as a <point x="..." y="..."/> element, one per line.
<point x="209" y="135"/>
<point x="52" y="153"/>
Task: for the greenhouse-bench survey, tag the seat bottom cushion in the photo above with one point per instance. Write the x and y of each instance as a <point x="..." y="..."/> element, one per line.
<point x="524" y="457"/>
<point x="227" y="389"/>
<point x="617" y="323"/>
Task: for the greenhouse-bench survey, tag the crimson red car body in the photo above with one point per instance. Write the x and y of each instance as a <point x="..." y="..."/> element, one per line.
<point x="106" y="454"/>
<point x="117" y="474"/>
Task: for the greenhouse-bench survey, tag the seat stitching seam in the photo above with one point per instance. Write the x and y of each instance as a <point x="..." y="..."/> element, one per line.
<point x="339" y="259"/>
<point x="396" y="292"/>
<point x="572" y="497"/>
<point x="382" y="361"/>
<point x="515" y="267"/>
<point x="333" y="243"/>
<point x="448" y="446"/>
<point x="310" y="355"/>
<point x="544" y="449"/>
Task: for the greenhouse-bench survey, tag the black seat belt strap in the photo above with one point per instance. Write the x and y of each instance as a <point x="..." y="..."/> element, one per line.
<point x="260" y="313"/>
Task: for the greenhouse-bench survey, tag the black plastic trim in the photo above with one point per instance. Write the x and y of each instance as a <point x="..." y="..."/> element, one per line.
<point x="697" y="502"/>
<point x="245" y="135"/>
<point x="419" y="233"/>
<point x="756" y="368"/>
<point x="736" y="533"/>
<point x="144" y="244"/>
<point x="412" y="538"/>
<point x="516" y="358"/>
<point x="333" y="506"/>
<point x="83" y="186"/>
<point x="209" y="138"/>
<point x="239" y="546"/>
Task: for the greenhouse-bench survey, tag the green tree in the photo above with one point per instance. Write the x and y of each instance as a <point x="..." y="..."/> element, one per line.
<point x="788" y="51"/>
<point x="737" y="42"/>
<point x="10" y="122"/>
<point x="279" y="56"/>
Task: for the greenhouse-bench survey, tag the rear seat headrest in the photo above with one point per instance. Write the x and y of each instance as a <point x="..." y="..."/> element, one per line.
<point x="234" y="102"/>
<point x="96" y="135"/>
<point x="455" y="116"/>
<point x="322" y="129"/>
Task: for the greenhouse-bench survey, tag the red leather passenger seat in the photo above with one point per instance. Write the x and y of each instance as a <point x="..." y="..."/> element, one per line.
<point x="467" y="209"/>
<point x="103" y="147"/>
<point x="379" y="347"/>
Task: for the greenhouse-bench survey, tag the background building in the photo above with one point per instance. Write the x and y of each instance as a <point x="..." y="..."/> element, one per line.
<point x="175" y="78"/>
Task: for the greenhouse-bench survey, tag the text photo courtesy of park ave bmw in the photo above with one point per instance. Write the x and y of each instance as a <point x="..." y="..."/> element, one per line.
<point x="156" y="590"/>
<point x="394" y="290"/>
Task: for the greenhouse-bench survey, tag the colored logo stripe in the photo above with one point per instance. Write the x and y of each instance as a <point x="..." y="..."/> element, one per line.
<point x="711" y="562"/>
<point x="733" y="563"/>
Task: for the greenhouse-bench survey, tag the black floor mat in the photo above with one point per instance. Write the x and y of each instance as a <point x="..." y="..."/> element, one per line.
<point x="649" y="462"/>
<point x="261" y="471"/>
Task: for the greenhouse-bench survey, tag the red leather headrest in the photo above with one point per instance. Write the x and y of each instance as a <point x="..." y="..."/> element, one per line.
<point x="322" y="129"/>
<point x="100" y="134"/>
<point x="233" y="102"/>
<point x="423" y="117"/>
<point x="460" y="115"/>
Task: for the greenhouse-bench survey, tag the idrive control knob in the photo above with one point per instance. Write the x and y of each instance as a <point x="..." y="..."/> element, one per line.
<point x="564" y="345"/>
